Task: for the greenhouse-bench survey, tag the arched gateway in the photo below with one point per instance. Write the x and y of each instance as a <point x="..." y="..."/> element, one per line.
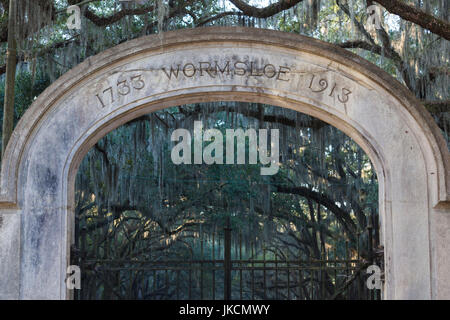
<point x="220" y="64"/>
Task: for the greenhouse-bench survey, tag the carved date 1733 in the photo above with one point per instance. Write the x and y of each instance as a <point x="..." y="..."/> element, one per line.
<point x="126" y="85"/>
<point x="123" y="88"/>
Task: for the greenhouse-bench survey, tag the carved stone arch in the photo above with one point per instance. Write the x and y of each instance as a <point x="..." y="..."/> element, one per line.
<point x="232" y="64"/>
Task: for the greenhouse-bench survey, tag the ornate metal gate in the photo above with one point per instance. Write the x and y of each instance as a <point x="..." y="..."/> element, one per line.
<point x="227" y="271"/>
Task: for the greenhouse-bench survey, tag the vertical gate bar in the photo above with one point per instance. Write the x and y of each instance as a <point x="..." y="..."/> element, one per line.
<point x="178" y="284"/>
<point x="264" y="270"/>
<point x="219" y="247"/>
<point x="300" y="284"/>
<point x="227" y="261"/>
<point x="82" y="260"/>
<point x="214" y="266"/>
<point x="347" y="264"/>
<point x="358" y="258"/>
<point x="322" y="273"/>
<point x="276" y="276"/>
<point x="370" y="249"/>
<point x="118" y="282"/>
<point x="329" y="267"/>
<point x="154" y="280"/>
<point x="253" y="270"/>
<point x="300" y="276"/>
<point x="288" y="276"/>
<point x="311" y="275"/>
<point x="201" y="265"/>
<point x="147" y="262"/>
<point x="240" y="265"/>
<point x="375" y="245"/>
<point x="190" y="280"/>
<point x="336" y="282"/>
<point x="130" y="282"/>
<point x="72" y="254"/>
<point x="167" y="283"/>
<point x="358" y="234"/>
<point x="236" y="250"/>
<point x="376" y="229"/>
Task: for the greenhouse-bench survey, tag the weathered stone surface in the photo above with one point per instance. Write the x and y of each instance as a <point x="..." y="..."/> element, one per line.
<point x="218" y="64"/>
<point x="9" y="254"/>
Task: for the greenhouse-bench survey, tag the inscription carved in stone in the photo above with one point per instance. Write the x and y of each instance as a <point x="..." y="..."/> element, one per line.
<point x="322" y="85"/>
<point x="238" y="68"/>
<point x="219" y="70"/>
<point x="122" y="88"/>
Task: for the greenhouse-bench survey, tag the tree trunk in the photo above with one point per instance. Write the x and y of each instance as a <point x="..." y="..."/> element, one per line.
<point x="8" y="107"/>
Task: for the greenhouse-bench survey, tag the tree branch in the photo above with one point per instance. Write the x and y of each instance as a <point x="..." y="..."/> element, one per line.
<point x="361" y="44"/>
<point x="386" y="49"/>
<point x="322" y="199"/>
<point x="437" y="106"/>
<point x="265" y="12"/>
<point x="57" y="45"/>
<point x="417" y="16"/>
<point x="312" y="123"/>
<point x="344" y="7"/>
<point x="205" y="20"/>
<point x="104" y="21"/>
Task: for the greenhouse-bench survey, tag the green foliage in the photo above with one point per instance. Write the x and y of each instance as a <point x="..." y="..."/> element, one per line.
<point x="26" y="90"/>
<point x="135" y="203"/>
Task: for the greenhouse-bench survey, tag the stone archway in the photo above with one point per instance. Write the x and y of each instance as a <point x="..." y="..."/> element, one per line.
<point x="219" y="64"/>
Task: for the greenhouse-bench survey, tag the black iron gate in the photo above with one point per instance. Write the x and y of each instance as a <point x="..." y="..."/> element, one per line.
<point x="224" y="273"/>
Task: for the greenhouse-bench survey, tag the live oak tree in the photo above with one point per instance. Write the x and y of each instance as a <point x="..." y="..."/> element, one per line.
<point x="135" y="203"/>
<point x="412" y="44"/>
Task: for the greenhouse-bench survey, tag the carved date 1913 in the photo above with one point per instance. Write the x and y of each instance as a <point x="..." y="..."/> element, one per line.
<point x="322" y="85"/>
